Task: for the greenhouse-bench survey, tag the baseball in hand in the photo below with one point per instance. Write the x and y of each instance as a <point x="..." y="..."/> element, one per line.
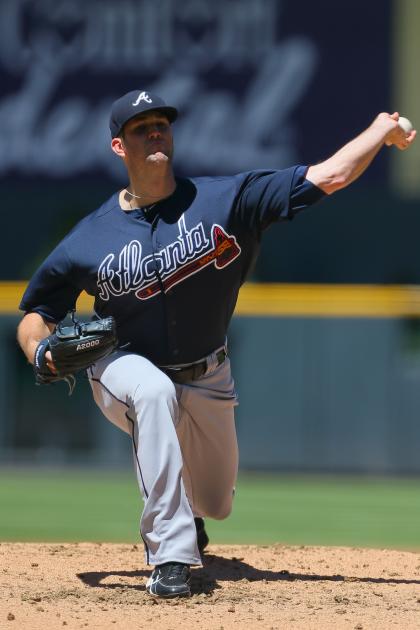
<point x="405" y="124"/>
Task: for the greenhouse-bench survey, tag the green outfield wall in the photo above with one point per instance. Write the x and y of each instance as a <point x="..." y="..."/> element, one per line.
<point x="328" y="379"/>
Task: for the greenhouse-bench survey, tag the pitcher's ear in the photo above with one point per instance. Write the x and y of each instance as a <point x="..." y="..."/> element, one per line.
<point x="117" y="145"/>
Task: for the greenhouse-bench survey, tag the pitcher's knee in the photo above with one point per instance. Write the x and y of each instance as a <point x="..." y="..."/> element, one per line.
<point x="219" y="511"/>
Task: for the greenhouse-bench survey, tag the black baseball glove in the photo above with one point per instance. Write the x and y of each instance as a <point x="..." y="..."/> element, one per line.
<point x="74" y="348"/>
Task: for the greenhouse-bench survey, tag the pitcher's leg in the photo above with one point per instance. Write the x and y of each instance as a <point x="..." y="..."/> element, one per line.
<point x="208" y="441"/>
<point x="140" y="399"/>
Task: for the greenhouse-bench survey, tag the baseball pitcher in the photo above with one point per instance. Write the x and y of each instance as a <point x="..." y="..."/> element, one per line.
<point x="165" y="258"/>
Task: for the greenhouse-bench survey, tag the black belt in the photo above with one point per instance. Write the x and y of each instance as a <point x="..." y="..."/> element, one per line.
<point x="194" y="371"/>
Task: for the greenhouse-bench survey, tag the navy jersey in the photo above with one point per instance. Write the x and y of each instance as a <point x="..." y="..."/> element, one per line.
<point x="170" y="274"/>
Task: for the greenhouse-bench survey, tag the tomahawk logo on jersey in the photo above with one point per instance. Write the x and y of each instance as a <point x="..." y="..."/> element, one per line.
<point x="149" y="275"/>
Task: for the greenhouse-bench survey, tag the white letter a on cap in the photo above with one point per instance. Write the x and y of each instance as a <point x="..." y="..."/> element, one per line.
<point x="143" y="96"/>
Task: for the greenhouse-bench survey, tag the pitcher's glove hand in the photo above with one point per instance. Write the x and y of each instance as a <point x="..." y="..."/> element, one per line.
<point x="74" y="348"/>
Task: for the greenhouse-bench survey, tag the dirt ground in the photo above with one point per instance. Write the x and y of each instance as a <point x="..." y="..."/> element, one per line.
<point x="102" y="586"/>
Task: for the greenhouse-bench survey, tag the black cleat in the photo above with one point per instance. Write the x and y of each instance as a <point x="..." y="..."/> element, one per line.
<point x="169" y="580"/>
<point x="202" y="538"/>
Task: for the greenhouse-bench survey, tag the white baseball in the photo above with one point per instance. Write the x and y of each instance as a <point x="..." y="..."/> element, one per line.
<point x="405" y="124"/>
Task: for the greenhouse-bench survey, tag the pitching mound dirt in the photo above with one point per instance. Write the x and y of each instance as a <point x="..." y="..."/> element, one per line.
<point x="102" y="586"/>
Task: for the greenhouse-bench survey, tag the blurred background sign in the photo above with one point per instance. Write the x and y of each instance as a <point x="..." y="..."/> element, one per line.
<point x="260" y="83"/>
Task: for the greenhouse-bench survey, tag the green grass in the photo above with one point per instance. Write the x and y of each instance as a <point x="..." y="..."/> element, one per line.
<point x="93" y="506"/>
<point x="324" y="511"/>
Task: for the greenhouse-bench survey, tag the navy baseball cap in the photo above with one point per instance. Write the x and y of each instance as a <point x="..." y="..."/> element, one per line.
<point x="134" y="103"/>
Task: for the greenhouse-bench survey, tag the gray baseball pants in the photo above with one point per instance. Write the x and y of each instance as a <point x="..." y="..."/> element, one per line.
<point x="184" y="445"/>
